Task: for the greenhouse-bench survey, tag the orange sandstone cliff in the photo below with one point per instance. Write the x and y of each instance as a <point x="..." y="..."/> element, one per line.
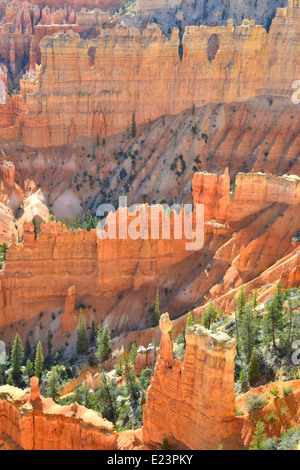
<point x="32" y="422"/>
<point x="129" y="70"/>
<point x="192" y="404"/>
<point x="248" y="240"/>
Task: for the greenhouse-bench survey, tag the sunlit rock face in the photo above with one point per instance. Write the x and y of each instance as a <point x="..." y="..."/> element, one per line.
<point x="130" y="69"/>
<point x="192" y="404"/>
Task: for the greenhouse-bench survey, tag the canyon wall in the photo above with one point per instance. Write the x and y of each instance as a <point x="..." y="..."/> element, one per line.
<point x="29" y="421"/>
<point x="24" y="24"/>
<point x="141" y="73"/>
<point x="118" y="277"/>
<point x="193" y="403"/>
<point x="104" y="5"/>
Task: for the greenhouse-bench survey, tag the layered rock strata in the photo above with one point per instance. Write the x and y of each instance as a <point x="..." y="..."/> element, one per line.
<point x="130" y="69"/>
<point x="120" y="276"/>
<point x="192" y="404"/>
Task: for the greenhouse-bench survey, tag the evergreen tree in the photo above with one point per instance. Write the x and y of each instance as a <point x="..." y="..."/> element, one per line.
<point x="103" y="340"/>
<point x="260" y="438"/>
<point x="82" y="345"/>
<point x="49" y="341"/>
<point x="4" y="248"/>
<point x="241" y="303"/>
<point x="133" y="126"/>
<point x="17" y="355"/>
<point x="53" y="386"/>
<point x="108" y="405"/>
<point x="39" y="360"/>
<point x="156" y="312"/>
<point x="77" y="222"/>
<point x="29" y="369"/>
<point x="292" y="331"/>
<point x="209" y="315"/>
<point x="274" y="315"/>
<point x="130" y="378"/>
<point x="133" y="353"/>
<point x="248" y="330"/>
<point x="243" y="379"/>
<point x="35" y="228"/>
<point x="190" y="320"/>
<point x="253" y="372"/>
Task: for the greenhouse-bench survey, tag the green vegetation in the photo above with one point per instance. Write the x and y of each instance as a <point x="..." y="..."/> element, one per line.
<point x="156" y="311"/>
<point x="133" y="126"/>
<point x="260" y="438"/>
<point x="17" y="355"/>
<point x="4" y="248"/>
<point x="39" y="360"/>
<point x="209" y="315"/>
<point x="255" y="402"/>
<point x="82" y="344"/>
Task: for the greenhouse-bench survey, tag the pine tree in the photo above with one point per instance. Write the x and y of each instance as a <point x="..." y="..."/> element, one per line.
<point x="107" y="400"/>
<point x="29" y="369"/>
<point x="39" y="360"/>
<point x="35" y="228"/>
<point x="82" y="345"/>
<point x="156" y="312"/>
<point x="4" y="248"/>
<point x="77" y="222"/>
<point x="248" y="329"/>
<point x="241" y="303"/>
<point x="133" y="126"/>
<point x="103" y="340"/>
<point x="260" y="438"/>
<point x="209" y="315"/>
<point x="133" y="353"/>
<point x="253" y="372"/>
<point x="274" y="315"/>
<point x="17" y="355"/>
<point x="243" y="379"/>
<point x="190" y="320"/>
<point x="130" y="378"/>
<point x="53" y="386"/>
<point x="292" y="332"/>
<point x="49" y="341"/>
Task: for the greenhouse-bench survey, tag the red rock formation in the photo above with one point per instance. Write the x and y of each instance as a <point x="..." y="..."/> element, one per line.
<point x="120" y="277"/>
<point x="146" y="357"/>
<point x="192" y="404"/>
<point x="142" y="89"/>
<point x="68" y="317"/>
<point x="29" y="241"/>
<point x="214" y="193"/>
<point x="29" y="421"/>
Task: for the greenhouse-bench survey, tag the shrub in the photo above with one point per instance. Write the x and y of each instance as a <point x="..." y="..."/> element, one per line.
<point x="166" y="445"/>
<point x="272" y="417"/>
<point x="275" y="391"/>
<point x="283" y="411"/>
<point x="287" y="391"/>
<point x="256" y="402"/>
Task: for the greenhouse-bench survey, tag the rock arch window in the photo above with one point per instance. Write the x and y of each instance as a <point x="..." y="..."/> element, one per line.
<point x="91" y="55"/>
<point x="212" y="47"/>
